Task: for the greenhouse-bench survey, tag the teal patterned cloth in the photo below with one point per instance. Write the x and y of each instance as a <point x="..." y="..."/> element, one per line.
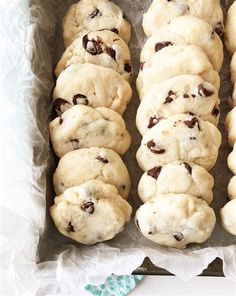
<point x="120" y="285"/>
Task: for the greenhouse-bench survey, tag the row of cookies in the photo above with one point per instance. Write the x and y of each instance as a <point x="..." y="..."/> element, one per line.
<point x="228" y="213"/>
<point x="89" y="135"/>
<point x="178" y="86"/>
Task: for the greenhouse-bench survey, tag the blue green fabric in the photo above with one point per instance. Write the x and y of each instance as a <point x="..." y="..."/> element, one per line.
<point x="120" y="285"/>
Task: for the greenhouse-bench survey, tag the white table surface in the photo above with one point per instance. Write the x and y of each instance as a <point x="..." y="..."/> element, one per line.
<point x="170" y="286"/>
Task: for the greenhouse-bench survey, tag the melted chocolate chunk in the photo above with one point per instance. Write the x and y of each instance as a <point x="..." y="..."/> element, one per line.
<point x="88" y="207"/>
<point x="153" y="121"/>
<point x="92" y="46"/>
<point x="215" y="111"/>
<point x="111" y="52"/>
<point x="95" y="13"/>
<point x="152" y="146"/>
<point x="191" y="123"/>
<point x="80" y="99"/>
<point x="58" y="103"/>
<point x="114" y="30"/>
<point x="203" y="92"/>
<point x="188" y="167"/>
<point x="102" y="159"/>
<point x="155" y="172"/>
<point x="161" y="45"/>
<point x="70" y="227"/>
<point x="178" y="236"/>
<point x="60" y="120"/>
<point x="219" y="29"/>
<point x="186" y="96"/>
<point x="127" y="67"/>
<point x="141" y="65"/>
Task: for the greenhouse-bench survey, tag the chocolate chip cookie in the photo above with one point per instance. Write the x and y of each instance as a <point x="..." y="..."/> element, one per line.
<point x="79" y="166"/>
<point x="85" y="127"/>
<point x="91" y="212"/>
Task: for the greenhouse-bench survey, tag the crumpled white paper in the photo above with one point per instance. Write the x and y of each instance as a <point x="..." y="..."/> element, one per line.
<point x="35" y="258"/>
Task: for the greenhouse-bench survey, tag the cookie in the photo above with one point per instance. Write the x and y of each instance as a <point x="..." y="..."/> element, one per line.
<point x="233" y="68"/>
<point x="103" y="48"/>
<point x="85" y="127"/>
<point x="161" y="12"/>
<point x="230" y="124"/>
<point x="91" y="212"/>
<point x="180" y="137"/>
<point x="176" y="220"/>
<point x="87" y="84"/>
<point x="175" y="60"/>
<point x="228" y="217"/>
<point x="232" y="100"/>
<point x="93" y="15"/>
<point x="231" y="160"/>
<point x="80" y="166"/>
<point x="230" y="30"/>
<point x="181" y="94"/>
<point x="176" y="177"/>
<point x="186" y="30"/>
<point x="232" y="188"/>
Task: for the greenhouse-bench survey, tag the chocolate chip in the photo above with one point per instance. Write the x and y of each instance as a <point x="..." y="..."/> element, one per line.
<point x="193" y="95"/>
<point x="58" y="103"/>
<point x="161" y="45"/>
<point x="215" y="111"/>
<point x="102" y="159"/>
<point x="169" y="99"/>
<point x="153" y="121"/>
<point x="96" y="12"/>
<point x="190" y="113"/>
<point x="188" y="167"/>
<point x="219" y="29"/>
<point x="186" y="96"/>
<point x="191" y="123"/>
<point x="152" y="146"/>
<point x="111" y="52"/>
<point x="70" y="227"/>
<point x="92" y="46"/>
<point x="114" y="30"/>
<point x="149" y="232"/>
<point x="141" y="65"/>
<point x="60" y="120"/>
<point x="80" y="99"/>
<point x="178" y="236"/>
<point x="155" y="172"/>
<point x="123" y="187"/>
<point x="88" y="207"/>
<point x="127" y="67"/>
<point x="192" y="138"/>
<point x="203" y="92"/>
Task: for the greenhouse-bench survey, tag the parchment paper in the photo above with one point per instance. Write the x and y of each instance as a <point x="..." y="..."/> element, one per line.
<point x="33" y="253"/>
